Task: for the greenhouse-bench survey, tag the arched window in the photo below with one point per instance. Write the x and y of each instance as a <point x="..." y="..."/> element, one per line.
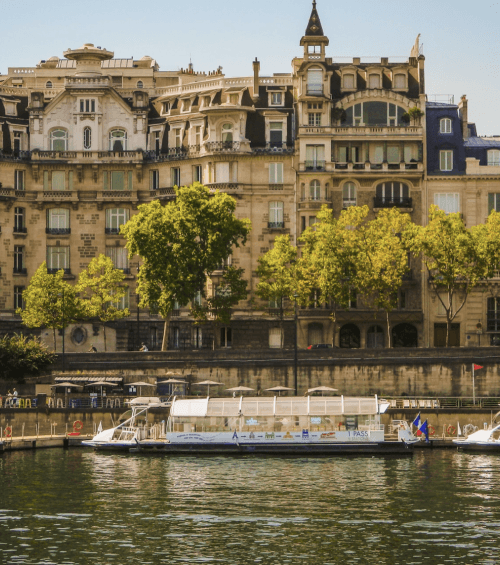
<point x="348" y="195"/>
<point x="389" y="194"/>
<point x="445" y="125"/>
<point x="140" y="84"/>
<point x="48" y="84"/>
<point x="87" y="137"/>
<point x="375" y="337"/>
<point x="349" y="336"/>
<point x="59" y="140"/>
<point x="315" y="190"/>
<point x="118" y="140"/>
<point x="227" y="133"/>
<point x="315" y="81"/>
<point x="494" y="158"/>
<point x="404" y="335"/>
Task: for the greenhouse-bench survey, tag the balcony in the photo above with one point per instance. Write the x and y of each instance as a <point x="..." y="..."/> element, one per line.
<point x="367" y="166"/>
<point x="57" y="231"/>
<point x="20" y="271"/>
<point x="222" y="146"/>
<point x="227" y="187"/>
<point x="315" y="165"/>
<point x="15" y="156"/>
<point x="276" y="225"/>
<point x="275" y="148"/>
<point x="87" y="82"/>
<point x="124" y="270"/>
<point x="20" y="230"/>
<point x="392" y="202"/>
<point x="51" y="271"/>
<point x="312" y="91"/>
<point x="120" y="195"/>
<point x="112" y="231"/>
<point x="172" y="154"/>
<point x="59" y="195"/>
<point x="377" y="131"/>
<point x="87" y="156"/>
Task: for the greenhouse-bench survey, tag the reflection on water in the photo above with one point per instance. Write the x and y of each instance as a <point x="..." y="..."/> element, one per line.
<point x="78" y="507"/>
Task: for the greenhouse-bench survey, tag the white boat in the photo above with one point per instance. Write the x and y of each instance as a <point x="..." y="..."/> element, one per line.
<point x="482" y="440"/>
<point x="281" y="425"/>
<point x="134" y="430"/>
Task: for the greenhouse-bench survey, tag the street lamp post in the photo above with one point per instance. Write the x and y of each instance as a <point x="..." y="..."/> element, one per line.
<point x="63" y="332"/>
<point x="295" y="296"/>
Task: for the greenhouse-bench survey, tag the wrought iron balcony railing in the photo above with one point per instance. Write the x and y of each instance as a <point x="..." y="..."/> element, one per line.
<point x="58" y="231"/>
<point x="315" y="165"/>
<point x="276" y="225"/>
<point x="52" y="271"/>
<point x="392" y="201"/>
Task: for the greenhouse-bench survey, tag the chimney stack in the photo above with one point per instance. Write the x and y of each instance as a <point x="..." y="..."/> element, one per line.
<point x="256" y="69"/>
<point x="464" y="117"/>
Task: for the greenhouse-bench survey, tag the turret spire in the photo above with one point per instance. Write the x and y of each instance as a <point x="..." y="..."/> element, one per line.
<point x="314" y="27"/>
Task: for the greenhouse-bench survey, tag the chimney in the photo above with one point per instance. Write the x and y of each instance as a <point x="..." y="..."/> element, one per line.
<point x="256" y="69"/>
<point x="463" y="113"/>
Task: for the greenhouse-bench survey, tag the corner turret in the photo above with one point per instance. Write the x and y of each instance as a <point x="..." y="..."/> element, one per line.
<point x="314" y="40"/>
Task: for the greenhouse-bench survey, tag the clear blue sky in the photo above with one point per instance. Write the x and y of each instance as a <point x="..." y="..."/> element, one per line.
<point x="460" y="37"/>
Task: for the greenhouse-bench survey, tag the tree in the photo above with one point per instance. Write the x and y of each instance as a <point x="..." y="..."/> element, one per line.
<point x="228" y="289"/>
<point x="277" y="272"/>
<point x="101" y="287"/>
<point x="22" y="356"/>
<point x="457" y="258"/>
<point x="50" y="302"/>
<point x="180" y="243"/>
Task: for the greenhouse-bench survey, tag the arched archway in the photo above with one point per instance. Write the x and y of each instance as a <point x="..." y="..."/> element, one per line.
<point x="349" y="337"/>
<point x="375" y="337"/>
<point x="404" y="335"/>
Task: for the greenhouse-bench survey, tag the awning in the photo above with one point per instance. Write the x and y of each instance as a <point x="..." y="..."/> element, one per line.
<point x="82" y="379"/>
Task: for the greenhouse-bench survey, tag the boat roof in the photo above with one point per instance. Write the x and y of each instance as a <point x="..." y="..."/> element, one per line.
<point x="276" y="406"/>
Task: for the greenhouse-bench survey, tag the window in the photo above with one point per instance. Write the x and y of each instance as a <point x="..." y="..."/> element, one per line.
<point x="276" y="134"/>
<point x="197" y="136"/>
<point x="276" y="215"/>
<point x="445" y="125"/>
<point x="118" y="140"/>
<point x="140" y="84"/>
<point x="48" y="84"/>
<point x="493" y="314"/>
<point x="392" y="194"/>
<point x="19" y="267"/>
<point x="374" y="114"/>
<point x="10" y="108"/>
<point x="234" y="99"/>
<point x="124" y="302"/>
<point x="494" y="158"/>
<point x="154" y="180"/>
<point x="196" y="299"/>
<point x="186" y="105"/>
<point x="315" y="190"/>
<point x="58" y="221"/>
<point x="175" y="338"/>
<point x="315" y="157"/>
<point x="222" y="172"/>
<point x="314" y="118"/>
<point x="493" y="202"/>
<point x="374" y="81"/>
<point x="393" y="154"/>
<point x="348" y="195"/>
<point x="399" y="81"/>
<point x="156" y="142"/>
<point x="349" y="82"/>
<point x="119" y="256"/>
<point x="276" y="98"/>
<point x="115" y="180"/>
<point x="87" y="105"/>
<point x="197" y="338"/>
<point x="166" y="107"/>
<point x="176" y="176"/>
<point x="225" y="337"/>
<point x="275" y="338"/>
<point x="19" y="220"/>
<point x="227" y="133"/>
<point x="315" y="105"/>
<point x="177" y="137"/>
<point x="315" y="81"/>
<point x="58" y="181"/>
<point x="197" y="173"/>
<point x="353" y="299"/>
<point x="446" y="160"/>
<point x="19" y="180"/>
<point x="116" y="217"/>
<point x="59" y="140"/>
<point x="57" y="258"/>
<point x="87" y="138"/>
<point x="18" y="297"/>
<point x="448" y="202"/>
<point x="314" y="49"/>
<point x="275" y="173"/>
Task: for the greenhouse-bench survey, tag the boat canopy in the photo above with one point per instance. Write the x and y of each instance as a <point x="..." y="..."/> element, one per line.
<point x="276" y="406"/>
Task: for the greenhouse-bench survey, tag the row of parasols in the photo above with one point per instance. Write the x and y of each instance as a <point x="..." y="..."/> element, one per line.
<point x="240" y="389"/>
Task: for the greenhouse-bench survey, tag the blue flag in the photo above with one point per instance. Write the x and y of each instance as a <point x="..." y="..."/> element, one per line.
<point x="416" y="421"/>
<point x="424" y="429"/>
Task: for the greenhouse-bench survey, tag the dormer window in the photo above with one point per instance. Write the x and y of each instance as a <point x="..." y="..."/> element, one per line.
<point x="140" y="84"/>
<point x="186" y="105"/>
<point x="399" y="81"/>
<point x="10" y="108"/>
<point x="166" y="107"/>
<point x="276" y="98"/>
<point x="206" y="101"/>
<point x="315" y="81"/>
<point x="59" y="140"/>
<point x="349" y="82"/>
<point x="87" y="105"/>
<point x="234" y="99"/>
<point x="445" y="125"/>
<point x="374" y="81"/>
<point x="494" y="158"/>
<point x="118" y="140"/>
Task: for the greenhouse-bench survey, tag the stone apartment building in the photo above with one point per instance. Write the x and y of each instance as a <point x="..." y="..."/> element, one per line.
<point x="88" y="138"/>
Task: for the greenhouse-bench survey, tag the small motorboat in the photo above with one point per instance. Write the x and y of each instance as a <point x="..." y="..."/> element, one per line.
<point x="482" y="440"/>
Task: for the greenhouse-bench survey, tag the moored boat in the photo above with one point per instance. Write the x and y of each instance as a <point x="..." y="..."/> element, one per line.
<point x="482" y="440"/>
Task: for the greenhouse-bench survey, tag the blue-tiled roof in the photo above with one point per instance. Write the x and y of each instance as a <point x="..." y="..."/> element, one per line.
<point x="482" y="142"/>
<point x="440" y="105"/>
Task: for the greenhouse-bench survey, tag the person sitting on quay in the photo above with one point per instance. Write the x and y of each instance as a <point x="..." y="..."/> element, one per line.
<point x="93" y="349"/>
<point x="144" y="347"/>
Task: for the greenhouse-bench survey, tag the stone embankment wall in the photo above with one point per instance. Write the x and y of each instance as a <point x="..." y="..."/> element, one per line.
<point x="390" y="372"/>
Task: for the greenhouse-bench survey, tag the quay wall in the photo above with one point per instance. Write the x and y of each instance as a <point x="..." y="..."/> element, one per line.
<point x="390" y="372"/>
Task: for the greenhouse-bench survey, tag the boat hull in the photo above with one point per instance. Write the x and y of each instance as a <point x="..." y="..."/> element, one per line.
<point x="489" y="447"/>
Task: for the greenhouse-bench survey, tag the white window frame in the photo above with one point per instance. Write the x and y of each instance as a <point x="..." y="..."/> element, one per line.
<point x="57" y="257"/>
<point x="276" y="213"/>
<point x="275" y="173"/>
<point x="87" y="138"/>
<point x="123" y="138"/>
<point x="493" y="202"/>
<point x="345" y="81"/>
<point x="314" y="119"/>
<point x="198" y="173"/>
<point x="275" y="338"/>
<point x="371" y="81"/>
<point x="58" y="181"/>
<point x="445" y="125"/>
<point x="276" y="98"/>
<point x="227" y="132"/>
<point x="116" y="217"/>
<point x="315" y="190"/>
<point x="449" y="202"/>
<point x="403" y="85"/>
<point x="349" y="195"/>
<point x="19" y="179"/>
<point x="493" y="157"/>
<point x="315" y="86"/>
<point x="58" y="218"/>
<point x="446" y="160"/>
<point x="119" y="256"/>
<point x="58" y="139"/>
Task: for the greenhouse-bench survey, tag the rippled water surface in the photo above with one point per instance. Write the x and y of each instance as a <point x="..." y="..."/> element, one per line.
<point x="77" y="506"/>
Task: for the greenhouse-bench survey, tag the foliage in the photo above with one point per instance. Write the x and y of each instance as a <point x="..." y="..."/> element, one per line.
<point x="101" y="287"/>
<point x="338" y="114"/>
<point x="415" y="113"/>
<point x="22" y="356"/>
<point x="457" y="258"/>
<point x="50" y="302"/>
<point x="181" y="243"/>
<point x="228" y="289"/>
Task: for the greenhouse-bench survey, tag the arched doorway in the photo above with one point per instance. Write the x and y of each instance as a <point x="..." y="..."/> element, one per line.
<point x="315" y="334"/>
<point x="349" y="337"/>
<point x="404" y="335"/>
<point x="375" y="337"/>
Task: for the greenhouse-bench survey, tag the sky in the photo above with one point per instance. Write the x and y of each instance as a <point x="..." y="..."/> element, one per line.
<point x="460" y="38"/>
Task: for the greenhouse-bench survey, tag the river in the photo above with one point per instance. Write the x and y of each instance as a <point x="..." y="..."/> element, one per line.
<point x="77" y="507"/>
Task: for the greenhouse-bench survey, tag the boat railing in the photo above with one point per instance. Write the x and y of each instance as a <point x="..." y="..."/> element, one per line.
<point x="417" y="403"/>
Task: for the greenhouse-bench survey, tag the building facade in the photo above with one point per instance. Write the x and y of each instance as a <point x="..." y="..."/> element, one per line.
<point x="88" y="138"/>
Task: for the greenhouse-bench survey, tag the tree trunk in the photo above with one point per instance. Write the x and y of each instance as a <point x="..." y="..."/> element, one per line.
<point x="166" y="328"/>
<point x="104" y="334"/>
<point x="448" y="327"/>
<point x="54" y="337"/>
<point x="388" y="329"/>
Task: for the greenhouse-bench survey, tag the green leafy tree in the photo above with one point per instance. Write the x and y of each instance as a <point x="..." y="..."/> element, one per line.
<point x="278" y="276"/>
<point x="50" y="302"/>
<point x="228" y="289"/>
<point x="180" y="243"/>
<point x="22" y="356"/>
<point x="101" y="288"/>
<point x="457" y="258"/>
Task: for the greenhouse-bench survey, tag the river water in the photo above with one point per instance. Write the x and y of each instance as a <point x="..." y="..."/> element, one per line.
<point x="78" y="507"/>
